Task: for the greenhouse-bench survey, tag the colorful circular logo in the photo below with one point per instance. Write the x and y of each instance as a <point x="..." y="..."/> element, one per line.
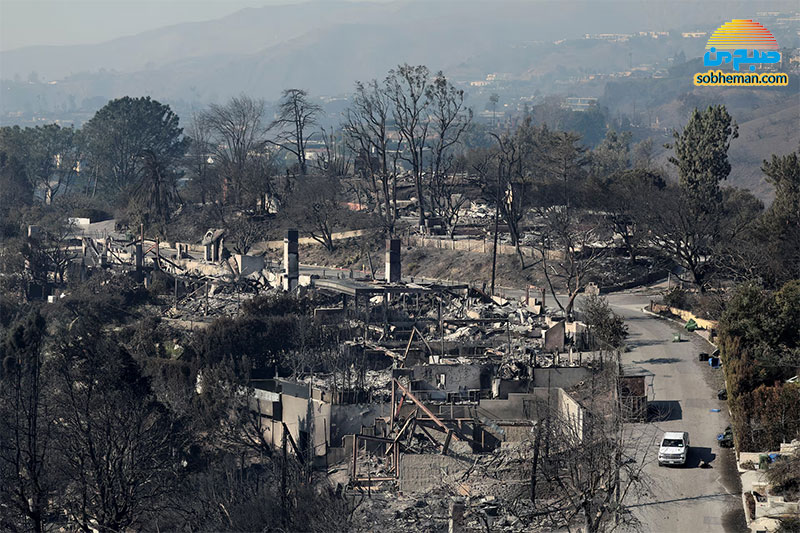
<point x="742" y="33"/>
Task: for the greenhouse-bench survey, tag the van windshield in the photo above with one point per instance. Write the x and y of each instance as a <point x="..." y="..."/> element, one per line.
<point x="672" y="443"/>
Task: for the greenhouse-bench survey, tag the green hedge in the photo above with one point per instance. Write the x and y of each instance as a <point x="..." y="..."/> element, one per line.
<point x="759" y="343"/>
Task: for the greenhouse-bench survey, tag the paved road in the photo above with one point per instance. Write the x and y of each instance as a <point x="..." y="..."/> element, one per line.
<point x="688" y="499"/>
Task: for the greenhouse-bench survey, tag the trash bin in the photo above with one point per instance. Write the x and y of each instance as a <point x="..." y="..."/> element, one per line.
<point x="676" y="337"/>
<point x="763" y="462"/>
<point x="691" y="325"/>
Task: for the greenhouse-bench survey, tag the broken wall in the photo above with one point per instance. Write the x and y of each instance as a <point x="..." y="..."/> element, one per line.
<point x="534" y="406"/>
<point x="300" y="418"/>
<point x="554" y="338"/>
<point x="249" y="264"/>
<point x="349" y="419"/>
<point x="452" y="378"/>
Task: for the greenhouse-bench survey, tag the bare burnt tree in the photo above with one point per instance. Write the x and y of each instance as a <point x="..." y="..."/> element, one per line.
<point x="685" y="235"/>
<point x="487" y="171"/>
<point x="48" y="253"/>
<point x="262" y="184"/>
<point x="229" y="406"/>
<point x="118" y="449"/>
<point x="698" y="240"/>
<point x="450" y="118"/>
<point x="589" y="474"/>
<point x="446" y="200"/>
<point x="367" y="135"/>
<point x="237" y="136"/>
<point x="54" y="155"/>
<point x="508" y="184"/>
<point x="199" y="160"/>
<point x="315" y="207"/>
<point x="623" y="196"/>
<point x="296" y="115"/>
<point x="26" y="430"/>
<point x="245" y="232"/>
<point x="409" y="92"/>
<point x="570" y="242"/>
<point x="570" y="246"/>
<point x="334" y="160"/>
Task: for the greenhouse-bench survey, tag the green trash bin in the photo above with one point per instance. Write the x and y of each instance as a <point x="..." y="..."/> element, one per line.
<point x="691" y="325"/>
<point x="763" y="462"/>
<point x="676" y="337"/>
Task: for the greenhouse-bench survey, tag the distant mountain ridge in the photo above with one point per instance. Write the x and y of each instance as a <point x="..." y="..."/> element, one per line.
<point x="356" y="40"/>
<point x="325" y="46"/>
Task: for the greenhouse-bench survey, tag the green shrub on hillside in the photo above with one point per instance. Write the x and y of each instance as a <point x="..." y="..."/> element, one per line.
<point x="759" y="343"/>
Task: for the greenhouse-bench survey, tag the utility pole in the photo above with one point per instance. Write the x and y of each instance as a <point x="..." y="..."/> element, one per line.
<point x="441" y="324"/>
<point x="284" y="510"/>
<point x="496" y="221"/>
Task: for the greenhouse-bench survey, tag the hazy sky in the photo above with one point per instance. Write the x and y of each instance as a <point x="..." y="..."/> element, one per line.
<point x="32" y="22"/>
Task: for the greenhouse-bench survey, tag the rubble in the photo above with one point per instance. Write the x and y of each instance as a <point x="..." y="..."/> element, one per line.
<point x="445" y="383"/>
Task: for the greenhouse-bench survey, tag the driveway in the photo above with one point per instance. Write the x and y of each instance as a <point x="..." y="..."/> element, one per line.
<point x="690" y="498"/>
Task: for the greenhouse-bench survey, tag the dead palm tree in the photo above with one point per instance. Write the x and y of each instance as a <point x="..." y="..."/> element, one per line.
<point x="156" y="192"/>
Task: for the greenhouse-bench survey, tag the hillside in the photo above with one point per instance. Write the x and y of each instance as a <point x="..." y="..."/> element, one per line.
<point x="277" y="45"/>
<point x="533" y="48"/>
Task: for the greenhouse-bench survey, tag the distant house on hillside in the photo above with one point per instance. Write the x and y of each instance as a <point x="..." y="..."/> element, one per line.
<point x="575" y="103"/>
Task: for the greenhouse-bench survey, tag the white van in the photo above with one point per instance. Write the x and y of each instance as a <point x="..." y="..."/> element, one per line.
<point x="674" y="449"/>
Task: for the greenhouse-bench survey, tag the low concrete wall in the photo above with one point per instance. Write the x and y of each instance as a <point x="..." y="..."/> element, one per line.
<point x="750" y="456"/>
<point x="482" y="246"/>
<point x="518" y="406"/>
<point x="561" y="378"/>
<point x="652" y="277"/>
<point x="684" y="315"/>
<point x="534" y="406"/>
<point x="776" y="507"/>
<point x="278" y="245"/>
